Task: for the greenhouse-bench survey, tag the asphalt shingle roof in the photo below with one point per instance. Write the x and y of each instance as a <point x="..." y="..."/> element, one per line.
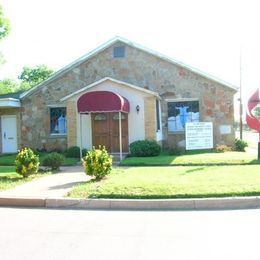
<point x="15" y="95"/>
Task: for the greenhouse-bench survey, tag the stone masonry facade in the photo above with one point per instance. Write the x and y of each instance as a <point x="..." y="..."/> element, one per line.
<point x="139" y="68"/>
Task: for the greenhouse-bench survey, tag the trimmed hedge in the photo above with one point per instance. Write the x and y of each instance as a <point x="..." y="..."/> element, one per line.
<point x="145" y="148"/>
<point x="74" y="152"/>
<point x="53" y="160"/>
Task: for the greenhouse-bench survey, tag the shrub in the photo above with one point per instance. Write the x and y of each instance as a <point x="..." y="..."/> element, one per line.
<point x="26" y="162"/>
<point x="97" y="163"/>
<point x="240" y="145"/>
<point x="84" y="152"/>
<point x="221" y="148"/>
<point x="74" y="152"/>
<point x="145" y="148"/>
<point x="53" y="160"/>
<point x="176" y="151"/>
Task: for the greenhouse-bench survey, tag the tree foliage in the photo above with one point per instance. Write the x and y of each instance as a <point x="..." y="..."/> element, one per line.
<point x="31" y="76"/>
<point x="4" y="30"/>
<point x="4" y="24"/>
<point x="8" y="86"/>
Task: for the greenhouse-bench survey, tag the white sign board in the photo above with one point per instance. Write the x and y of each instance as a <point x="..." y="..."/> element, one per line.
<point x="225" y="129"/>
<point x="199" y="135"/>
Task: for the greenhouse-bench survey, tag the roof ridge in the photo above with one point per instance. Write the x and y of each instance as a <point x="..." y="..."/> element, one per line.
<point x="115" y="39"/>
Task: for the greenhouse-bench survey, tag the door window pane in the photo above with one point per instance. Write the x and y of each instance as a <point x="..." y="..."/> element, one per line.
<point x="100" y="117"/>
<point x="116" y="116"/>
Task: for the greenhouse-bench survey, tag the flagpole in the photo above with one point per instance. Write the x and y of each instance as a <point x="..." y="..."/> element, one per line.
<point x="240" y="97"/>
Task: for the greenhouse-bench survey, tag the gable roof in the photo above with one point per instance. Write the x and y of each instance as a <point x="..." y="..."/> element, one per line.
<point x="134" y="45"/>
<point x="112" y="80"/>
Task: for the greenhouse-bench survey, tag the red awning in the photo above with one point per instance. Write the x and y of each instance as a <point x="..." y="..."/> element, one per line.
<point x="102" y="101"/>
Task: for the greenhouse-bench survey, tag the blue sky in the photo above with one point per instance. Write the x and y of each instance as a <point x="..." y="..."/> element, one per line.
<point x="207" y="35"/>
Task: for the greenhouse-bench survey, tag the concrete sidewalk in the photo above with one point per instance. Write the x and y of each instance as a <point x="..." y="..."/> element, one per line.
<point x="50" y="192"/>
<point x="53" y="186"/>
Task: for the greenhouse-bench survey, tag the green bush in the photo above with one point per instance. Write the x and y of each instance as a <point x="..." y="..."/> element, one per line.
<point x="97" y="163"/>
<point x="74" y="152"/>
<point x="240" y="145"/>
<point x="145" y="148"/>
<point x="53" y="160"/>
<point x="26" y="162"/>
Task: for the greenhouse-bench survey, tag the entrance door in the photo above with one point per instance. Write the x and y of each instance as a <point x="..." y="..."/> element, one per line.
<point x="105" y="131"/>
<point x="9" y="134"/>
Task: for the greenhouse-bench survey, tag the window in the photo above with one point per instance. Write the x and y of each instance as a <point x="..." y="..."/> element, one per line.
<point x="158" y="115"/>
<point x="100" y="117"/>
<point x="180" y="113"/>
<point x="119" y="52"/>
<point x="116" y="116"/>
<point x="58" y="120"/>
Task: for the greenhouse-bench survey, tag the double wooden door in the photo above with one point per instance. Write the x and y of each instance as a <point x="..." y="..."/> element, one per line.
<point x="105" y="131"/>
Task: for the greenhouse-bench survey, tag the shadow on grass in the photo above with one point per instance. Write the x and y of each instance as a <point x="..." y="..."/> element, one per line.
<point x="254" y="162"/>
<point x="67" y="185"/>
<point x="10" y="179"/>
<point x="164" y="159"/>
<point x="195" y="170"/>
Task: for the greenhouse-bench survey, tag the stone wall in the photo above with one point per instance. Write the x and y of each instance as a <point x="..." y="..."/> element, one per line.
<point x="139" y="68"/>
<point x="72" y="123"/>
<point x="150" y="118"/>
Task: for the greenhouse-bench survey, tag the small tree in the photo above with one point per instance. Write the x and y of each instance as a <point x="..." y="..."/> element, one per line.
<point x="97" y="163"/>
<point x="26" y="162"/>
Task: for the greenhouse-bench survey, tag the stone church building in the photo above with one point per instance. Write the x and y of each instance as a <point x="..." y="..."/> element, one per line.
<point x="116" y="94"/>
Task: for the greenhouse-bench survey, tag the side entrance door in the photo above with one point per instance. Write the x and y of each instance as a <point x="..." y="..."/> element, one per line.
<point x="9" y="134"/>
<point x="105" y="131"/>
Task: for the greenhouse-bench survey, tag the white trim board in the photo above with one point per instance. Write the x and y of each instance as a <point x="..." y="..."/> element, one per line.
<point x="10" y="102"/>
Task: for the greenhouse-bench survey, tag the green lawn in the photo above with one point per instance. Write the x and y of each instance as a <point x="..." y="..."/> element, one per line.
<point x="9" y="178"/>
<point x="8" y="160"/>
<point x="206" y="158"/>
<point x="174" y="182"/>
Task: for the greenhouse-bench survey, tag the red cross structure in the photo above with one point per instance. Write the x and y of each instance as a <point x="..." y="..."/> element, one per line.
<point x="252" y="121"/>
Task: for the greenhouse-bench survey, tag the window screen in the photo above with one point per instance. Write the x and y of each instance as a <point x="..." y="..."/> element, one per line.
<point x="119" y="52"/>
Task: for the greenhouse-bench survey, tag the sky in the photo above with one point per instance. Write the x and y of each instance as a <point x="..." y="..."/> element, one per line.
<point x="210" y="35"/>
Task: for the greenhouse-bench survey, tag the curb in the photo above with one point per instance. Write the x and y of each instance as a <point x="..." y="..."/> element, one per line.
<point x="135" y="204"/>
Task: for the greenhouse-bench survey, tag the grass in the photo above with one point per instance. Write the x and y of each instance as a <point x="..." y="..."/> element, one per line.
<point x="174" y="182"/>
<point x="8" y="160"/>
<point x="9" y="178"/>
<point x="193" y="158"/>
